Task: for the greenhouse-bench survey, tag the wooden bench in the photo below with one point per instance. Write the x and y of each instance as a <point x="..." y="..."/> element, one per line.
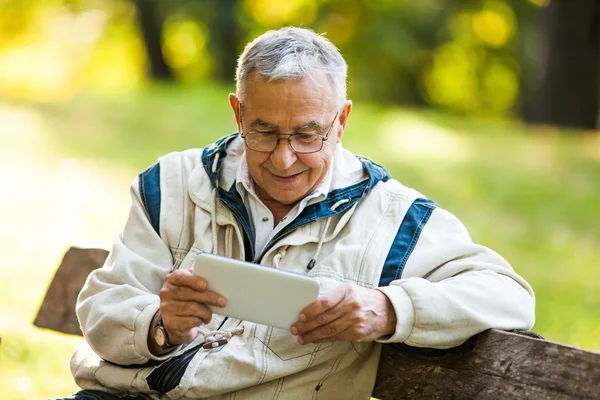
<point x="492" y="365"/>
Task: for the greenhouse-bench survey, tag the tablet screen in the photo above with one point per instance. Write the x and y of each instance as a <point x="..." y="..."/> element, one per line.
<point x="257" y="293"/>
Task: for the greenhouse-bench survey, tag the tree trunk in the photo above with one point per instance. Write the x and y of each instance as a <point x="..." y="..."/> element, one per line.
<point x="569" y="93"/>
<point x="151" y="24"/>
<point x="224" y="40"/>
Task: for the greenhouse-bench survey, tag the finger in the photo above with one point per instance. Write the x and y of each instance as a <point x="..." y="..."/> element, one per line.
<point x="180" y="309"/>
<point x="357" y="330"/>
<point x="345" y="336"/>
<point x="327" y="332"/>
<point x="186" y="294"/>
<point x="184" y="278"/>
<point x="180" y="324"/>
<point x="323" y="303"/>
<point x="300" y="328"/>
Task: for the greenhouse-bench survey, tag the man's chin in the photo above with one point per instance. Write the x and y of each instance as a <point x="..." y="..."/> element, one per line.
<point x="288" y="201"/>
<point x="286" y="198"/>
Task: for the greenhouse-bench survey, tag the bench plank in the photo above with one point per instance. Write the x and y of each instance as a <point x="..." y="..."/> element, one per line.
<point x="57" y="311"/>
<point x="494" y="364"/>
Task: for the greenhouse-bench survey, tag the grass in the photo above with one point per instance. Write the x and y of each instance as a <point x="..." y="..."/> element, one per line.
<point x="531" y="194"/>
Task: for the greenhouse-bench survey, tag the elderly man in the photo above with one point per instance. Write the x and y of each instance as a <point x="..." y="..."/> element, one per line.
<point x="392" y="266"/>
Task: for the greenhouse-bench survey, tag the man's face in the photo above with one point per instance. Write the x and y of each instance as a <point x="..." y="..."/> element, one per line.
<point x="287" y="107"/>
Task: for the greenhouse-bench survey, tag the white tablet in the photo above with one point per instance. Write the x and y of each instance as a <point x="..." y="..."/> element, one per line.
<point x="256" y="293"/>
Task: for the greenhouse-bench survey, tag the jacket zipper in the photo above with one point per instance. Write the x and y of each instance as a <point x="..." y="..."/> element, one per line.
<point x="274" y="241"/>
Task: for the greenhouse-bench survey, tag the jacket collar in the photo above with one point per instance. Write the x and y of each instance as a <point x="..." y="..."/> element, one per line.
<point x="353" y="178"/>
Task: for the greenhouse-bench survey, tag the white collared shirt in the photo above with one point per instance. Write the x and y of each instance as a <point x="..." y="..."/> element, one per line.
<point x="261" y="217"/>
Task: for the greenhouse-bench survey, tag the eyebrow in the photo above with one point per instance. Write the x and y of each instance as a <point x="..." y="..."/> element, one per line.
<point x="259" y="123"/>
<point x="310" y="125"/>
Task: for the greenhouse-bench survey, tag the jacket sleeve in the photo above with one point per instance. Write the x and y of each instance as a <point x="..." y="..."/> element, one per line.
<point x="118" y="301"/>
<point x="452" y="289"/>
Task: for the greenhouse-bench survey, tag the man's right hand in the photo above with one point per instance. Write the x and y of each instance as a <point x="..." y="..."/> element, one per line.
<point x="184" y="301"/>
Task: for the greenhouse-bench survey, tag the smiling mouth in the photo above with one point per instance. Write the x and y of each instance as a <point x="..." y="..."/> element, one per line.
<point x="288" y="176"/>
<point x="286" y="179"/>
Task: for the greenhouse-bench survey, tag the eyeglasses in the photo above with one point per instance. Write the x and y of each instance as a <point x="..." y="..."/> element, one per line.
<point x="266" y="142"/>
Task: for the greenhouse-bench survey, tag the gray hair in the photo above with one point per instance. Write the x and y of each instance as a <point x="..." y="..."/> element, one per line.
<point x="293" y="53"/>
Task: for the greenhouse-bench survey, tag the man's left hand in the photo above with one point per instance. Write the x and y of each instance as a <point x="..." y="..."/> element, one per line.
<point x="347" y="313"/>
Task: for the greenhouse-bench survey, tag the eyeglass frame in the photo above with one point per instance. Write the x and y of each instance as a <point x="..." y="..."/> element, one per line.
<point x="289" y="136"/>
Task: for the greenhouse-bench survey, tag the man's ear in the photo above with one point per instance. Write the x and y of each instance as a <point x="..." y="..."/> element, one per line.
<point x="234" y="102"/>
<point x="343" y="117"/>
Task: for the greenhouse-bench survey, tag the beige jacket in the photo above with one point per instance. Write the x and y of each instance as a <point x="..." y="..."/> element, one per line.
<point x="374" y="232"/>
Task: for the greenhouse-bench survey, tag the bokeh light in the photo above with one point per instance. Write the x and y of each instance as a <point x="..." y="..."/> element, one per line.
<point x="494" y="24"/>
<point x="277" y="12"/>
<point x="184" y="48"/>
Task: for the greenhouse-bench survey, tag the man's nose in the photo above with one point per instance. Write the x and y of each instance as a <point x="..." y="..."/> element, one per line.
<point x="283" y="157"/>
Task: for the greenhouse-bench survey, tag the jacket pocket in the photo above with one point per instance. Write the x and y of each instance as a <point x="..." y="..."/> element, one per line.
<point x="284" y="345"/>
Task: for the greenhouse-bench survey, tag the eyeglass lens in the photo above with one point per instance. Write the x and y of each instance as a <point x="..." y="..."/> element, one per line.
<point x="301" y="143"/>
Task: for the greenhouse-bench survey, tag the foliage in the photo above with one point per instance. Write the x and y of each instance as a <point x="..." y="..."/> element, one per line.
<point x="469" y="57"/>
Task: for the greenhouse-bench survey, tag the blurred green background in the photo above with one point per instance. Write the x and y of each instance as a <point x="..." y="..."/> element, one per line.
<point x="454" y="98"/>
